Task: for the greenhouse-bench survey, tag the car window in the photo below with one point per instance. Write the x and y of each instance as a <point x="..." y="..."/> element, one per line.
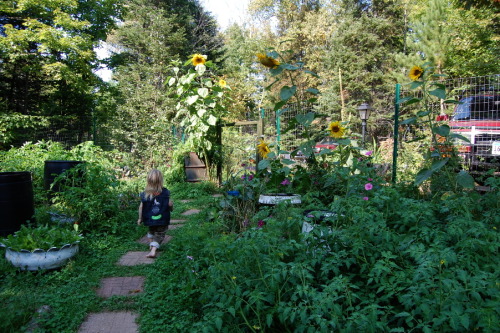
<point x="478" y="108"/>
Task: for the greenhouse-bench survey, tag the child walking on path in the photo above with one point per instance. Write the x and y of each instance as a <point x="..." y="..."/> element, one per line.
<point x="154" y="210"/>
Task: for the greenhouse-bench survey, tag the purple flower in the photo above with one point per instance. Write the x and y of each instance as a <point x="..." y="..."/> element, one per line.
<point x="365" y="198"/>
<point x="369" y="153"/>
<point x="369" y="179"/>
<point x="368" y="186"/>
<point x="261" y="223"/>
<point x="285" y="182"/>
<point x="190" y="258"/>
<point x="250" y="177"/>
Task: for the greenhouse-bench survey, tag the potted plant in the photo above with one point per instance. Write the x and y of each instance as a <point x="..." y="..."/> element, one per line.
<point x="43" y="247"/>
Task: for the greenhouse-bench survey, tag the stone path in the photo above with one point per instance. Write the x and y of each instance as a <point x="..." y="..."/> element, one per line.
<point x="125" y="321"/>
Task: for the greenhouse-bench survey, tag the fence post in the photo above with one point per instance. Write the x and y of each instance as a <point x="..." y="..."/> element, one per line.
<point x="396" y="133"/>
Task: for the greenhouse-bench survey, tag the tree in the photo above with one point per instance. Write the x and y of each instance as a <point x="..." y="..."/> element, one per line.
<point x="154" y="34"/>
<point x="47" y="61"/>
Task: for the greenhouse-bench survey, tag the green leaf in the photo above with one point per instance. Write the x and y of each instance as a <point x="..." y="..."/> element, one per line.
<point x="439" y="93"/>
<point x="452" y="101"/>
<point x="416" y="84"/>
<point x="313" y="91"/>
<point x="287" y="92"/>
<point x="459" y="136"/>
<point x="443" y="130"/>
<point x="212" y="120"/>
<point x="423" y="113"/>
<point x="276" y="71"/>
<point x="218" y="323"/>
<point x="305" y="119"/>
<point x="171" y="81"/>
<point x="408" y="121"/>
<point x="311" y="73"/>
<point x="263" y="164"/>
<point x="278" y="105"/>
<point x="422" y="176"/>
<point x="191" y="99"/>
<point x="465" y="180"/>
<point x="409" y="100"/>
<point x="290" y="67"/>
<point x="203" y="92"/>
<point x="201" y="112"/>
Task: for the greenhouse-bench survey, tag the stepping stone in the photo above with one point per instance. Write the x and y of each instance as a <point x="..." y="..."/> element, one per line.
<point x="175" y="226"/>
<point x="133" y="258"/>
<point x="217" y="195"/>
<point x="121" y="286"/>
<point x="110" y="322"/>
<point x="190" y="212"/>
<point x="145" y="240"/>
<point x="177" y="221"/>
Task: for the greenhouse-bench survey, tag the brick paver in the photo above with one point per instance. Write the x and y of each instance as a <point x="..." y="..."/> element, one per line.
<point x="191" y="212"/>
<point x="110" y="322"/>
<point x="121" y="286"/>
<point x="175" y="226"/>
<point x="217" y="195"/>
<point x="133" y="258"/>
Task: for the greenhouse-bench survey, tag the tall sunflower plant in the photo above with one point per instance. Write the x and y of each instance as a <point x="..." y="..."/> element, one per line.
<point x="429" y="92"/>
<point x="201" y="101"/>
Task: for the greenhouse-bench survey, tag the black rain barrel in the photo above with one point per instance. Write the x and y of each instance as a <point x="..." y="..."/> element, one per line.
<point x="16" y="201"/>
<point x="195" y="168"/>
<point x="53" y="169"/>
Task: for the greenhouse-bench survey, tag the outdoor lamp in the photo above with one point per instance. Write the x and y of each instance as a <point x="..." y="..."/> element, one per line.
<point x="364" y="113"/>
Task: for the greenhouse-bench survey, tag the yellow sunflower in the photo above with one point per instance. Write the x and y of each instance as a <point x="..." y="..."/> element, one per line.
<point x="198" y="59"/>
<point x="267" y="61"/>
<point x="263" y="148"/>
<point x="222" y="83"/>
<point x="416" y="72"/>
<point x="336" y="129"/>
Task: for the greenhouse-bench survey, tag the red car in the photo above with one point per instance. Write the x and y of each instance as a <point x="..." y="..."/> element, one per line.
<point x="326" y="143"/>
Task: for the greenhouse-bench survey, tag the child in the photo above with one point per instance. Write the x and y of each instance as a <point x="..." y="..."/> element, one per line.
<point x="154" y="210"/>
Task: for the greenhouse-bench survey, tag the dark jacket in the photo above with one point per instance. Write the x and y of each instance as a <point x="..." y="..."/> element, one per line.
<point x="155" y="211"/>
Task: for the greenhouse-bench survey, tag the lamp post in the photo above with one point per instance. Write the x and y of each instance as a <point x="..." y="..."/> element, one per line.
<point x="364" y="113"/>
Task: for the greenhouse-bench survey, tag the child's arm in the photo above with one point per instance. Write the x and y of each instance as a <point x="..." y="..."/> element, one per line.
<point x="139" y="221"/>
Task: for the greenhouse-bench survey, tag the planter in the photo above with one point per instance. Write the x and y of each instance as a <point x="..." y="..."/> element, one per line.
<point x="16" y="201"/>
<point x="40" y="259"/>
<point x="272" y="199"/>
<point x="317" y="217"/>
<point x="234" y="193"/>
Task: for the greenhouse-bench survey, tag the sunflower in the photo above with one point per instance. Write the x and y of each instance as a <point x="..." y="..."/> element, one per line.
<point x="336" y="130"/>
<point x="198" y="59"/>
<point x="222" y="83"/>
<point x="263" y="149"/>
<point x="267" y="61"/>
<point x="416" y="72"/>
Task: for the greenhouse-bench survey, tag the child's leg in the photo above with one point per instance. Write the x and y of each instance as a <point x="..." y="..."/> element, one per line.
<point x="158" y="234"/>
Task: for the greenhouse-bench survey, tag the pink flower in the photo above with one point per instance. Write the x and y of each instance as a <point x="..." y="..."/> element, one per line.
<point x="368" y="186"/>
<point x="285" y="182"/>
<point x="250" y="177"/>
<point x="442" y="117"/>
<point x="369" y="179"/>
<point x="369" y="153"/>
<point x="365" y="198"/>
<point x="260" y="224"/>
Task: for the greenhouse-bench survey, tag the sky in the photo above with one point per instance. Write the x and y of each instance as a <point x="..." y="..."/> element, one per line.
<point x="226" y="11"/>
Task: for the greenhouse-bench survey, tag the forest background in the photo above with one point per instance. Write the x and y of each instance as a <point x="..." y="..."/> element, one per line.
<point x="360" y="49"/>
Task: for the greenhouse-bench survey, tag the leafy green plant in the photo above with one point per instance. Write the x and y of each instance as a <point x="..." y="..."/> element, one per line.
<point x="42" y="237"/>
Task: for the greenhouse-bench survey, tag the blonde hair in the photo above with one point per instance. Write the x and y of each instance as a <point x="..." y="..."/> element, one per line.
<point x="154" y="184"/>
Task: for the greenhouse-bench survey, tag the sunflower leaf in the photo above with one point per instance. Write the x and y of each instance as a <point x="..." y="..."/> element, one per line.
<point x="287" y="92"/>
<point x="439" y="93"/>
<point x="465" y="180"/>
<point x="313" y="91"/>
<point x="312" y="73"/>
<point x="278" y="105"/>
<point x="203" y="92"/>
<point x="263" y="164"/>
<point x="276" y="71"/>
<point x="409" y="100"/>
<point x="443" y="130"/>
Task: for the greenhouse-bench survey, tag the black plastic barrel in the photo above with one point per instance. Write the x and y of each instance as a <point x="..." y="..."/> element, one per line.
<point x="53" y="169"/>
<point x="16" y="201"/>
